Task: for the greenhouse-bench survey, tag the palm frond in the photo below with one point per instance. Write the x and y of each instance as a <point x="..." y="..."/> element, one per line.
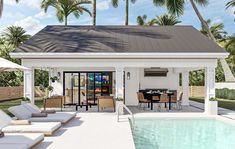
<point x="167" y="19"/>
<point x="175" y="7"/>
<point x="230" y="4"/>
<point x="115" y="3"/>
<point x="159" y="2"/>
<point x="202" y="2"/>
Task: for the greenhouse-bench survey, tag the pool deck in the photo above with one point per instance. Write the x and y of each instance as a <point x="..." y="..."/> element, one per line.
<point x="100" y="130"/>
<point x="92" y="131"/>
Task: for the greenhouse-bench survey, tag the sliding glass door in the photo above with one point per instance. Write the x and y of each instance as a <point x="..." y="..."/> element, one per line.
<point x="84" y="88"/>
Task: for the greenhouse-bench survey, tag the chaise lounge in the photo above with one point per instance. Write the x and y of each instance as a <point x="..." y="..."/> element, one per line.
<point x="26" y="112"/>
<point x="8" y="125"/>
<point x="20" y="141"/>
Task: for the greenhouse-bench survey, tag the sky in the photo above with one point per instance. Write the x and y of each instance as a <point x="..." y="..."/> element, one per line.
<point x="28" y="14"/>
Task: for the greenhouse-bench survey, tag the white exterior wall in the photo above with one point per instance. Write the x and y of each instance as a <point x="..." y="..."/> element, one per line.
<point x="131" y="86"/>
<point x="169" y="82"/>
<point x="138" y="81"/>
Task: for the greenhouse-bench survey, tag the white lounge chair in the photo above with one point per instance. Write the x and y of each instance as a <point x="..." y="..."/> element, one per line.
<point x="45" y="128"/>
<point x="25" y="111"/>
<point x="20" y="141"/>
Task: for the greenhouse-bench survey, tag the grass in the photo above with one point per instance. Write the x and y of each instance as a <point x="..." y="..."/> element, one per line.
<point x="4" y="105"/>
<point x="223" y="103"/>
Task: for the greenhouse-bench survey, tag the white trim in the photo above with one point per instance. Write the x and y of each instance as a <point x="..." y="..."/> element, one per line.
<point x="118" y="55"/>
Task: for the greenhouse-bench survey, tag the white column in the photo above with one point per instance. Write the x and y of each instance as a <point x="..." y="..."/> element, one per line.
<point x="29" y="84"/>
<point x="185" y="85"/>
<point x="209" y="89"/>
<point x="119" y="82"/>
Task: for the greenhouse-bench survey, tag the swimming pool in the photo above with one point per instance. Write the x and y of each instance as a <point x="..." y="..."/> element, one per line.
<point x="168" y="133"/>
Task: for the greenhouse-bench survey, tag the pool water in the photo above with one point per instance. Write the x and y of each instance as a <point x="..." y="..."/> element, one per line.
<point x="183" y="134"/>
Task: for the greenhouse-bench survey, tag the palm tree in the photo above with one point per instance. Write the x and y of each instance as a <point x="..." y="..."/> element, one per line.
<point x="166" y="19"/>
<point x="94" y="13"/>
<point x="141" y="20"/>
<point x="176" y="7"/>
<point x="162" y="20"/>
<point x="1" y="6"/>
<point x="217" y="29"/>
<point x="65" y="7"/>
<point x="15" y="35"/>
<point x="115" y="4"/>
<point x="230" y="47"/>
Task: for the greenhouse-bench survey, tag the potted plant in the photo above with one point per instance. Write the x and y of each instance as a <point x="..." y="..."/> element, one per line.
<point x="50" y="90"/>
<point x="119" y="101"/>
<point x="25" y="100"/>
<point x="213" y="106"/>
<point x="53" y="79"/>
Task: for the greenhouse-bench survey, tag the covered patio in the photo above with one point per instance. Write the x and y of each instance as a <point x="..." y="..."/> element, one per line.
<point x="127" y="76"/>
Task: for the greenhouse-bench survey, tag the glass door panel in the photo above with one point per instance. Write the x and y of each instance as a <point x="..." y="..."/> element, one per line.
<point x="91" y="88"/>
<point x="98" y="85"/>
<point x="71" y="88"/>
<point x="106" y="84"/>
<point x="83" y="90"/>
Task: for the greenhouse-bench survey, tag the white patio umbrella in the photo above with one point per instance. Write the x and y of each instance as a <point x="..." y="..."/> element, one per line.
<point x="6" y="65"/>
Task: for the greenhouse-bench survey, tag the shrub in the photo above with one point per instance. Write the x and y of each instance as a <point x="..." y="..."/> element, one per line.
<point x="225" y="93"/>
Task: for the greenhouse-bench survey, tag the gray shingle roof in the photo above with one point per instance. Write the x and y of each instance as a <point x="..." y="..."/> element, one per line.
<point x="120" y="39"/>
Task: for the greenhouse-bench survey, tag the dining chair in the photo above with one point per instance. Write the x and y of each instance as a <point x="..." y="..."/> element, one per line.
<point x="179" y="102"/>
<point x="174" y="101"/>
<point x="164" y="100"/>
<point x="142" y="100"/>
<point x="157" y="101"/>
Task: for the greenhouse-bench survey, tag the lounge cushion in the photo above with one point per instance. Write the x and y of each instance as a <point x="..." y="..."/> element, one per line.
<point x="46" y="128"/>
<point x="20" y="112"/>
<point x="13" y="146"/>
<point x="31" y="107"/>
<point x="62" y="117"/>
<point x="28" y="139"/>
<point x="4" y="119"/>
<point x="20" y="122"/>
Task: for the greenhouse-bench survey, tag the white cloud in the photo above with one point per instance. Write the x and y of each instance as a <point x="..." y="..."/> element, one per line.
<point x="28" y="3"/>
<point x="103" y="5"/>
<point x="217" y="20"/>
<point x="30" y="24"/>
<point x="42" y="15"/>
<point x="10" y="2"/>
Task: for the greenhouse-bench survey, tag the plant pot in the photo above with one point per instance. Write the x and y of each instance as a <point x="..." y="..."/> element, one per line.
<point x="213" y="108"/>
<point x="118" y="103"/>
<point x="25" y="102"/>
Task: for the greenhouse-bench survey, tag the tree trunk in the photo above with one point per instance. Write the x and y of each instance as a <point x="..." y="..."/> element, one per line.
<point x="227" y="71"/>
<point x="65" y="21"/>
<point x="1" y="8"/>
<point x="127" y="13"/>
<point x="94" y="12"/>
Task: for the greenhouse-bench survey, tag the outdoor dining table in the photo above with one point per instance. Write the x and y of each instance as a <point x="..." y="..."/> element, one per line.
<point x="150" y="95"/>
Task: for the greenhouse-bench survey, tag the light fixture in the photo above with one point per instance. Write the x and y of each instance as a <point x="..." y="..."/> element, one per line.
<point x="128" y="75"/>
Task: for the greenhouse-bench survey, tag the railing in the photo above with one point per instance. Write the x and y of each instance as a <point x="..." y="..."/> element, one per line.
<point x="129" y="111"/>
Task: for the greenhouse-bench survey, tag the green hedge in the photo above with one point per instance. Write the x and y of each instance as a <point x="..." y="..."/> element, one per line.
<point x="225" y="93"/>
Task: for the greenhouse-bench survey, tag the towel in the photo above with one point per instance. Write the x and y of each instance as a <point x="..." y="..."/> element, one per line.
<point x="20" y="122"/>
<point x="39" y="114"/>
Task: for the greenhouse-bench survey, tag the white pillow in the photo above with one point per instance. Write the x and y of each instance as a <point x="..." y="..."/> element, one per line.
<point x="20" y="112"/>
<point x="4" y="119"/>
<point x="31" y="107"/>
